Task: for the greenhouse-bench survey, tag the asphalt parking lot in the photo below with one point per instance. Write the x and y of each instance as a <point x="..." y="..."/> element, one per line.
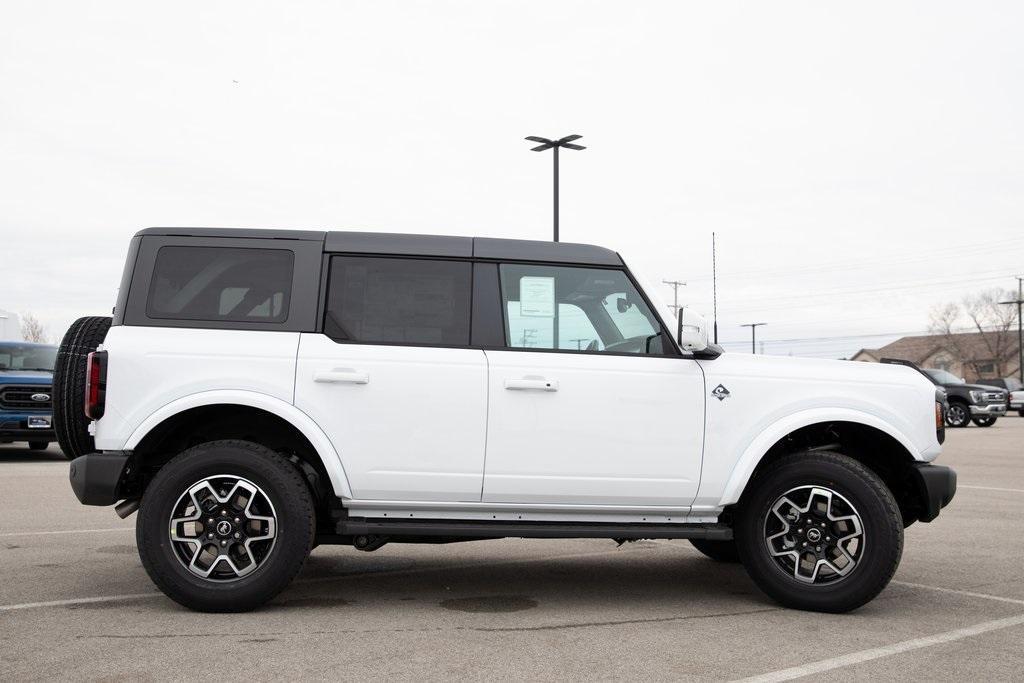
<point x="76" y="603"/>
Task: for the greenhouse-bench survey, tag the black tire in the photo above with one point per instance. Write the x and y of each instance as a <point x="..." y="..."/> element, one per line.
<point x="38" y="445"/>
<point x="69" y="420"/>
<point x="984" y="421"/>
<point x="958" y="414"/>
<point x="1021" y="413"/>
<point x="285" y="488"/>
<point x="880" y="545"/>
<point x="719" y="551"/>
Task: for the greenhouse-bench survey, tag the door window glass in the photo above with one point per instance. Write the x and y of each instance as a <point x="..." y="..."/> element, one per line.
<point x="576" y="309"/>
<point x="405" y="301"/>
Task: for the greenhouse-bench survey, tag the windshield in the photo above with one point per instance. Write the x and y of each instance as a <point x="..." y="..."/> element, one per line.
<point x="27" y="357"/>
<point x="943" y="377"/>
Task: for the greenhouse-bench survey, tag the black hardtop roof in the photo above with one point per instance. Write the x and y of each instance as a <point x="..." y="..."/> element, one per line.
<point x="397" y="244"/>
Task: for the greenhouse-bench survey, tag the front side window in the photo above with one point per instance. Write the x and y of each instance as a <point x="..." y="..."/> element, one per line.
<point x="221" y="284"/>
<point x="577" y="309"/>
<point x="399" y="301"/>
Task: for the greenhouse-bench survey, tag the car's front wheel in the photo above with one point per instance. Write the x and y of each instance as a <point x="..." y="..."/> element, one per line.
<point x="958" y="414"/>
<point x="819" y="531"/>
<point x="225" y="526"/>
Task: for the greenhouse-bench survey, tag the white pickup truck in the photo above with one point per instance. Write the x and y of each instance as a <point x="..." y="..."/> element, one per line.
<point x="258" y="393"/>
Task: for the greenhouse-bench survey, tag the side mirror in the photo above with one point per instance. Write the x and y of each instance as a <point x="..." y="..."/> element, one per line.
<point x="691" y="330"/>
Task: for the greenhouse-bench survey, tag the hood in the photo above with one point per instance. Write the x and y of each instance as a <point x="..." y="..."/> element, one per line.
<point x="26" y="377"/>
<point x="980" y="387"/>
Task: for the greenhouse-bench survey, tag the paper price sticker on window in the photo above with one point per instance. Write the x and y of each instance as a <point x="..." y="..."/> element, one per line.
<point x="537" y="297"/>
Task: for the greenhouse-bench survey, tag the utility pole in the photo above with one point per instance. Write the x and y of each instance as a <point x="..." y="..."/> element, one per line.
<point x="546" y="144"/>
<point x="675" y="285"/>
<point x="580" y="341"/>
<point x="753" y="334"/>
<point x="1019" y="301"/>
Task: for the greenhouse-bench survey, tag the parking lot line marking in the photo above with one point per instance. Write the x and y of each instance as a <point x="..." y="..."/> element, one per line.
<point x="990" y="488"/>
<point x="885" y="651"/>
<point x="969" y="594"/>
<point x="67" y="531"/>
<point x="78" y="601"/>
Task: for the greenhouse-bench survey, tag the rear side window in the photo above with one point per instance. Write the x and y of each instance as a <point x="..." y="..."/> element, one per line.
<point x="221" y="283"/>
<point x="399" y="301"/>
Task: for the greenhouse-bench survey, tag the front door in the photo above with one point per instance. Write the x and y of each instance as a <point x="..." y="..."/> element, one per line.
<point x="590" y="404"/>
<point x="392" y="382"/>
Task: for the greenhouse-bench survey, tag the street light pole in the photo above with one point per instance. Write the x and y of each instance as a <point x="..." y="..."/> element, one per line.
<point x="753" y="334"/>
<point x="1019" y="301"/>
<point x="546" y="144"/>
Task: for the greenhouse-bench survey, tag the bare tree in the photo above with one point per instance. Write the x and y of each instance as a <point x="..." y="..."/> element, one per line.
<point x="978" y="313"/>
<point x="32" y="330"/>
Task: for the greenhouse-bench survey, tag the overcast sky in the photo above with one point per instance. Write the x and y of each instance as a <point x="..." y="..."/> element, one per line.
<point x="859" y="162"/>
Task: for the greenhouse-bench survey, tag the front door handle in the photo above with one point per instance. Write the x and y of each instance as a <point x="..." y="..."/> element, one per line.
<point x="531" y="384"/>
<point x="341" y="375"/>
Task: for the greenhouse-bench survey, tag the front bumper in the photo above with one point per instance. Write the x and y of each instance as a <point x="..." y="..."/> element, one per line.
<point x="995" y="409"/>
<point x="936" y="486"/>
<point x="14" y="426"/>
<point x="97" y="478"/>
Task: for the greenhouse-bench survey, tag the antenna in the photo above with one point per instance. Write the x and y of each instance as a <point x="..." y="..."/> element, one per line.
<point x="714" y="284"/>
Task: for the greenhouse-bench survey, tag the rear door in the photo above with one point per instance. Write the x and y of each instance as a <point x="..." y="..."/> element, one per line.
<point x="589" y="401"/>
<point x="392" y="379"/>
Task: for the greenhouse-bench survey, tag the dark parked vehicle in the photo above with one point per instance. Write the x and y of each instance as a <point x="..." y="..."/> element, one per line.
<point x="26" y="404"/>
<point x="977" y="403"/>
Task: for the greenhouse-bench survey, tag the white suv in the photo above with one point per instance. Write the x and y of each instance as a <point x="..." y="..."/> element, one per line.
<point x="258" y="393"/>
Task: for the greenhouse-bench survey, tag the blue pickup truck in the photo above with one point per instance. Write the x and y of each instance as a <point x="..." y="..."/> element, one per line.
<point x="26" y="402"/>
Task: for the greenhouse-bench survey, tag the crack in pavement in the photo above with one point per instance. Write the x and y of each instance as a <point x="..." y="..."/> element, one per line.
<point x="439" y="629"/>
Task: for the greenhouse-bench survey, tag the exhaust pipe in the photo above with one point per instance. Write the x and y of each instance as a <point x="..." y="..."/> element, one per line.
<point x="127" y="507"/>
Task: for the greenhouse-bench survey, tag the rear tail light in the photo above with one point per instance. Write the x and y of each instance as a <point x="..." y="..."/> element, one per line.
<point x="95" y="384"/>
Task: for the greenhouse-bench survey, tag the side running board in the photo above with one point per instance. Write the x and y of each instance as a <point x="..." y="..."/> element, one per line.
<point x="472" y="529"/>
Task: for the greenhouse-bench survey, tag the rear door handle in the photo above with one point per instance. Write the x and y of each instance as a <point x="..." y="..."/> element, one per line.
<point x="531" y="384"/>
<point x="341" y="375"/>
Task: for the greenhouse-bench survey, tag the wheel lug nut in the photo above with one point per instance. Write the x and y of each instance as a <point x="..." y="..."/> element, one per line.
<point x="223" y="543"/>
<point x="210" y="520"/>
<point x="209" y="535"/>
<point x="223" y="513"/>
<point x="817" y="548"/>
<point x="238" y="535"/>
<point x="237" y="520"/>
<point x="805" y="544"/>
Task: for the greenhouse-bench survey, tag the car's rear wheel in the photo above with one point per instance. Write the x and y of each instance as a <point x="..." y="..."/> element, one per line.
<point x="958" y="414"/>
<point x="819" y="531"/>
<point x="984" y="420"/>
<point x="225" y="526"/>
<point x="720" y="551"/>
<point x="38" y="445"/>
<point x="69" y="420"/>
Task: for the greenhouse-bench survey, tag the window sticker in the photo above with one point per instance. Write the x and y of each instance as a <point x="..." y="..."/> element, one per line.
<point x="537" y="297"/>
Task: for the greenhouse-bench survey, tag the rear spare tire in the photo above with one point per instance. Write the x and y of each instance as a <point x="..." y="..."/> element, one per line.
<point x="69" y="420"/>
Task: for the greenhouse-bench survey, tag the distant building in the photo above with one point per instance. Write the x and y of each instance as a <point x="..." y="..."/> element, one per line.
<point x="10" y="326"/>
<point x="970" y="355"/>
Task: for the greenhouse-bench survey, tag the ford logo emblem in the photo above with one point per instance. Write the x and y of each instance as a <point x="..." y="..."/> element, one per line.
<point x="40" y="397"/>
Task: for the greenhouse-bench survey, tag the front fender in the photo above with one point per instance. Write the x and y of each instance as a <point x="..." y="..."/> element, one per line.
<point x="298" y="419"/>
<point x="776" y="431"/>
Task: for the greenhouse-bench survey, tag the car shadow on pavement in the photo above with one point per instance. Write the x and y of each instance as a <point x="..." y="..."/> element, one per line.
<point x="20" y="452"/>
<point x="629" y="577"/>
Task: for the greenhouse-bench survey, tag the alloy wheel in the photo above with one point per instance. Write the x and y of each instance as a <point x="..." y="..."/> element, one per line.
<point x="223" y="528"/>
<point x="814" y="535"/>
